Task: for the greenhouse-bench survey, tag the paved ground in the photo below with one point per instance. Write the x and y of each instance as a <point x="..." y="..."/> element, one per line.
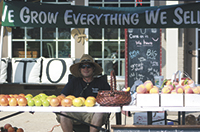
<point x="43" y="122"/>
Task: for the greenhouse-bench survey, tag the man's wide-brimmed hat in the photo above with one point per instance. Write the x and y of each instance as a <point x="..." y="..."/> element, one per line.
<point x="85" y="59"/>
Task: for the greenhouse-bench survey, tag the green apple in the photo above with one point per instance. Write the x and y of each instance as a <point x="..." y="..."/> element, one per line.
<point x="28" y="98"/>
<point x="38" y="102"/>
<point x="31" y="102"/>
<point x="43" y="98"/>
<point x="45" y="103"/>
<point x="53" y="96"/>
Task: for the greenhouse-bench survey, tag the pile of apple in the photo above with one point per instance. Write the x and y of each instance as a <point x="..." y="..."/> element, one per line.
<point x="185" y="86"/>
<point x="9" y="128"/>
<point x="45" y="100"/>
<point x="147" y="87"/>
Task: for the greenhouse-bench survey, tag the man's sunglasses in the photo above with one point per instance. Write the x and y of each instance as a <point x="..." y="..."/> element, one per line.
<point x="84" y="66"/>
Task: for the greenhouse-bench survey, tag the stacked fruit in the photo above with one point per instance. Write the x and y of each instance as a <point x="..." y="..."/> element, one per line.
<point x="9" y="128"/>
<point x="45" y="100"/>
<point x="186" y="86"/>
<point x="147" y="87"/>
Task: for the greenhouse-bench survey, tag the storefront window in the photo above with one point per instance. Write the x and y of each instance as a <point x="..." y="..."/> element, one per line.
<point x="33" y="42"/>
<point x="107" y="45"/>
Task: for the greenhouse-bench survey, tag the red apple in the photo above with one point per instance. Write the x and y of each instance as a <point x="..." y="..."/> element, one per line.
<point x="22" y="101"/>
<point x="20" y="130"/>
<point x="6" y="126"/>
<point x="171" y="87"/>
<point x="11" y="129"/>
<point x="54" y="102"/>
<point x="148" y="85"/>
<point x="189" y="91"/>
<point x="175" y="83"/>
<point x="173" y="91"/>
<point x="141" y="89"/>
<point x="66" y="102"/>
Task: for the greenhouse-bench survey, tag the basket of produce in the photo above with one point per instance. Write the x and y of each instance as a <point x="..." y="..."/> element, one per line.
<point x="113" y="97"/>
<point x="181" y="81"/>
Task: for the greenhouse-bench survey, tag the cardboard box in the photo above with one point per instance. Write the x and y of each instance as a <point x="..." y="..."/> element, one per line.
<point x="141" y="118"/>
<point x="147" y="100"/>
<point x="192" y="100"/>
<point x="171" y="100"/>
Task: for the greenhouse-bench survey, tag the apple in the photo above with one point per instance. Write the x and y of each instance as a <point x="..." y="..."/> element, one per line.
<point x="141" y="89"/>
<point x="4" y="101"/>
<point x="7" y="96"/>
<point x="195" y="90"/>
<point x="89" y="103"/>
<point x="92" y="97"/>
<point x="166" y="90"/>
<point x="173" y="91"/>
<point x="72" y="97"/>
<point x="188" y="91"/>
<point x="30" y="95"/>
<point x="20" y="130"/>
<point x="45" y="103"/>
<point x="22" y="101"/>
<point x="186" y="87"/>
<point x="175" y="84"/>
<point x="31" y="102"/>
<point x="179" y="89"/>
<point x="11" y="129"/>
<point x="154" y="90"/>
<point x="170" y="86"/>
<point x="190" y="82"/>
<point x="49" y="98"/>
<point x="83" y="100"/>
<point x="181" y="82"/>
<point x="148" y="85"/>
<point x="66" y="102"/>
<point x="28" y="98"/>
<point x="13" y="102"/>
<point x="38" y="102"/>
<point x="54" y="102"/>
<point x="6" y="126"/>
<point x="168" y="82"/>
<point x="77" y="102"/>
<point x="53" y="96"/>
<point x="21" y="94"/>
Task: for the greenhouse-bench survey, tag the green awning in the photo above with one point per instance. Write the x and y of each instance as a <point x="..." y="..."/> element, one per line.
<point x="26" y="14"/>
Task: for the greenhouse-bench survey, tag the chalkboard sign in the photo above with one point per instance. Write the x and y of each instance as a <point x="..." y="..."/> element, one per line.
<point x="143" y="55"/>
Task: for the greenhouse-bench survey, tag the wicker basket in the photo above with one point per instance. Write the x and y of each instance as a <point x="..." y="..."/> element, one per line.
<point x="113" y="97"/>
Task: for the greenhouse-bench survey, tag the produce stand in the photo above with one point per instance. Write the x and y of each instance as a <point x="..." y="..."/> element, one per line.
<point x="58" y="110"/>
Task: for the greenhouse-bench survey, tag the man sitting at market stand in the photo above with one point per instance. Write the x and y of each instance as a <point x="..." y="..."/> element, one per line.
<point x="83" y="85"/>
